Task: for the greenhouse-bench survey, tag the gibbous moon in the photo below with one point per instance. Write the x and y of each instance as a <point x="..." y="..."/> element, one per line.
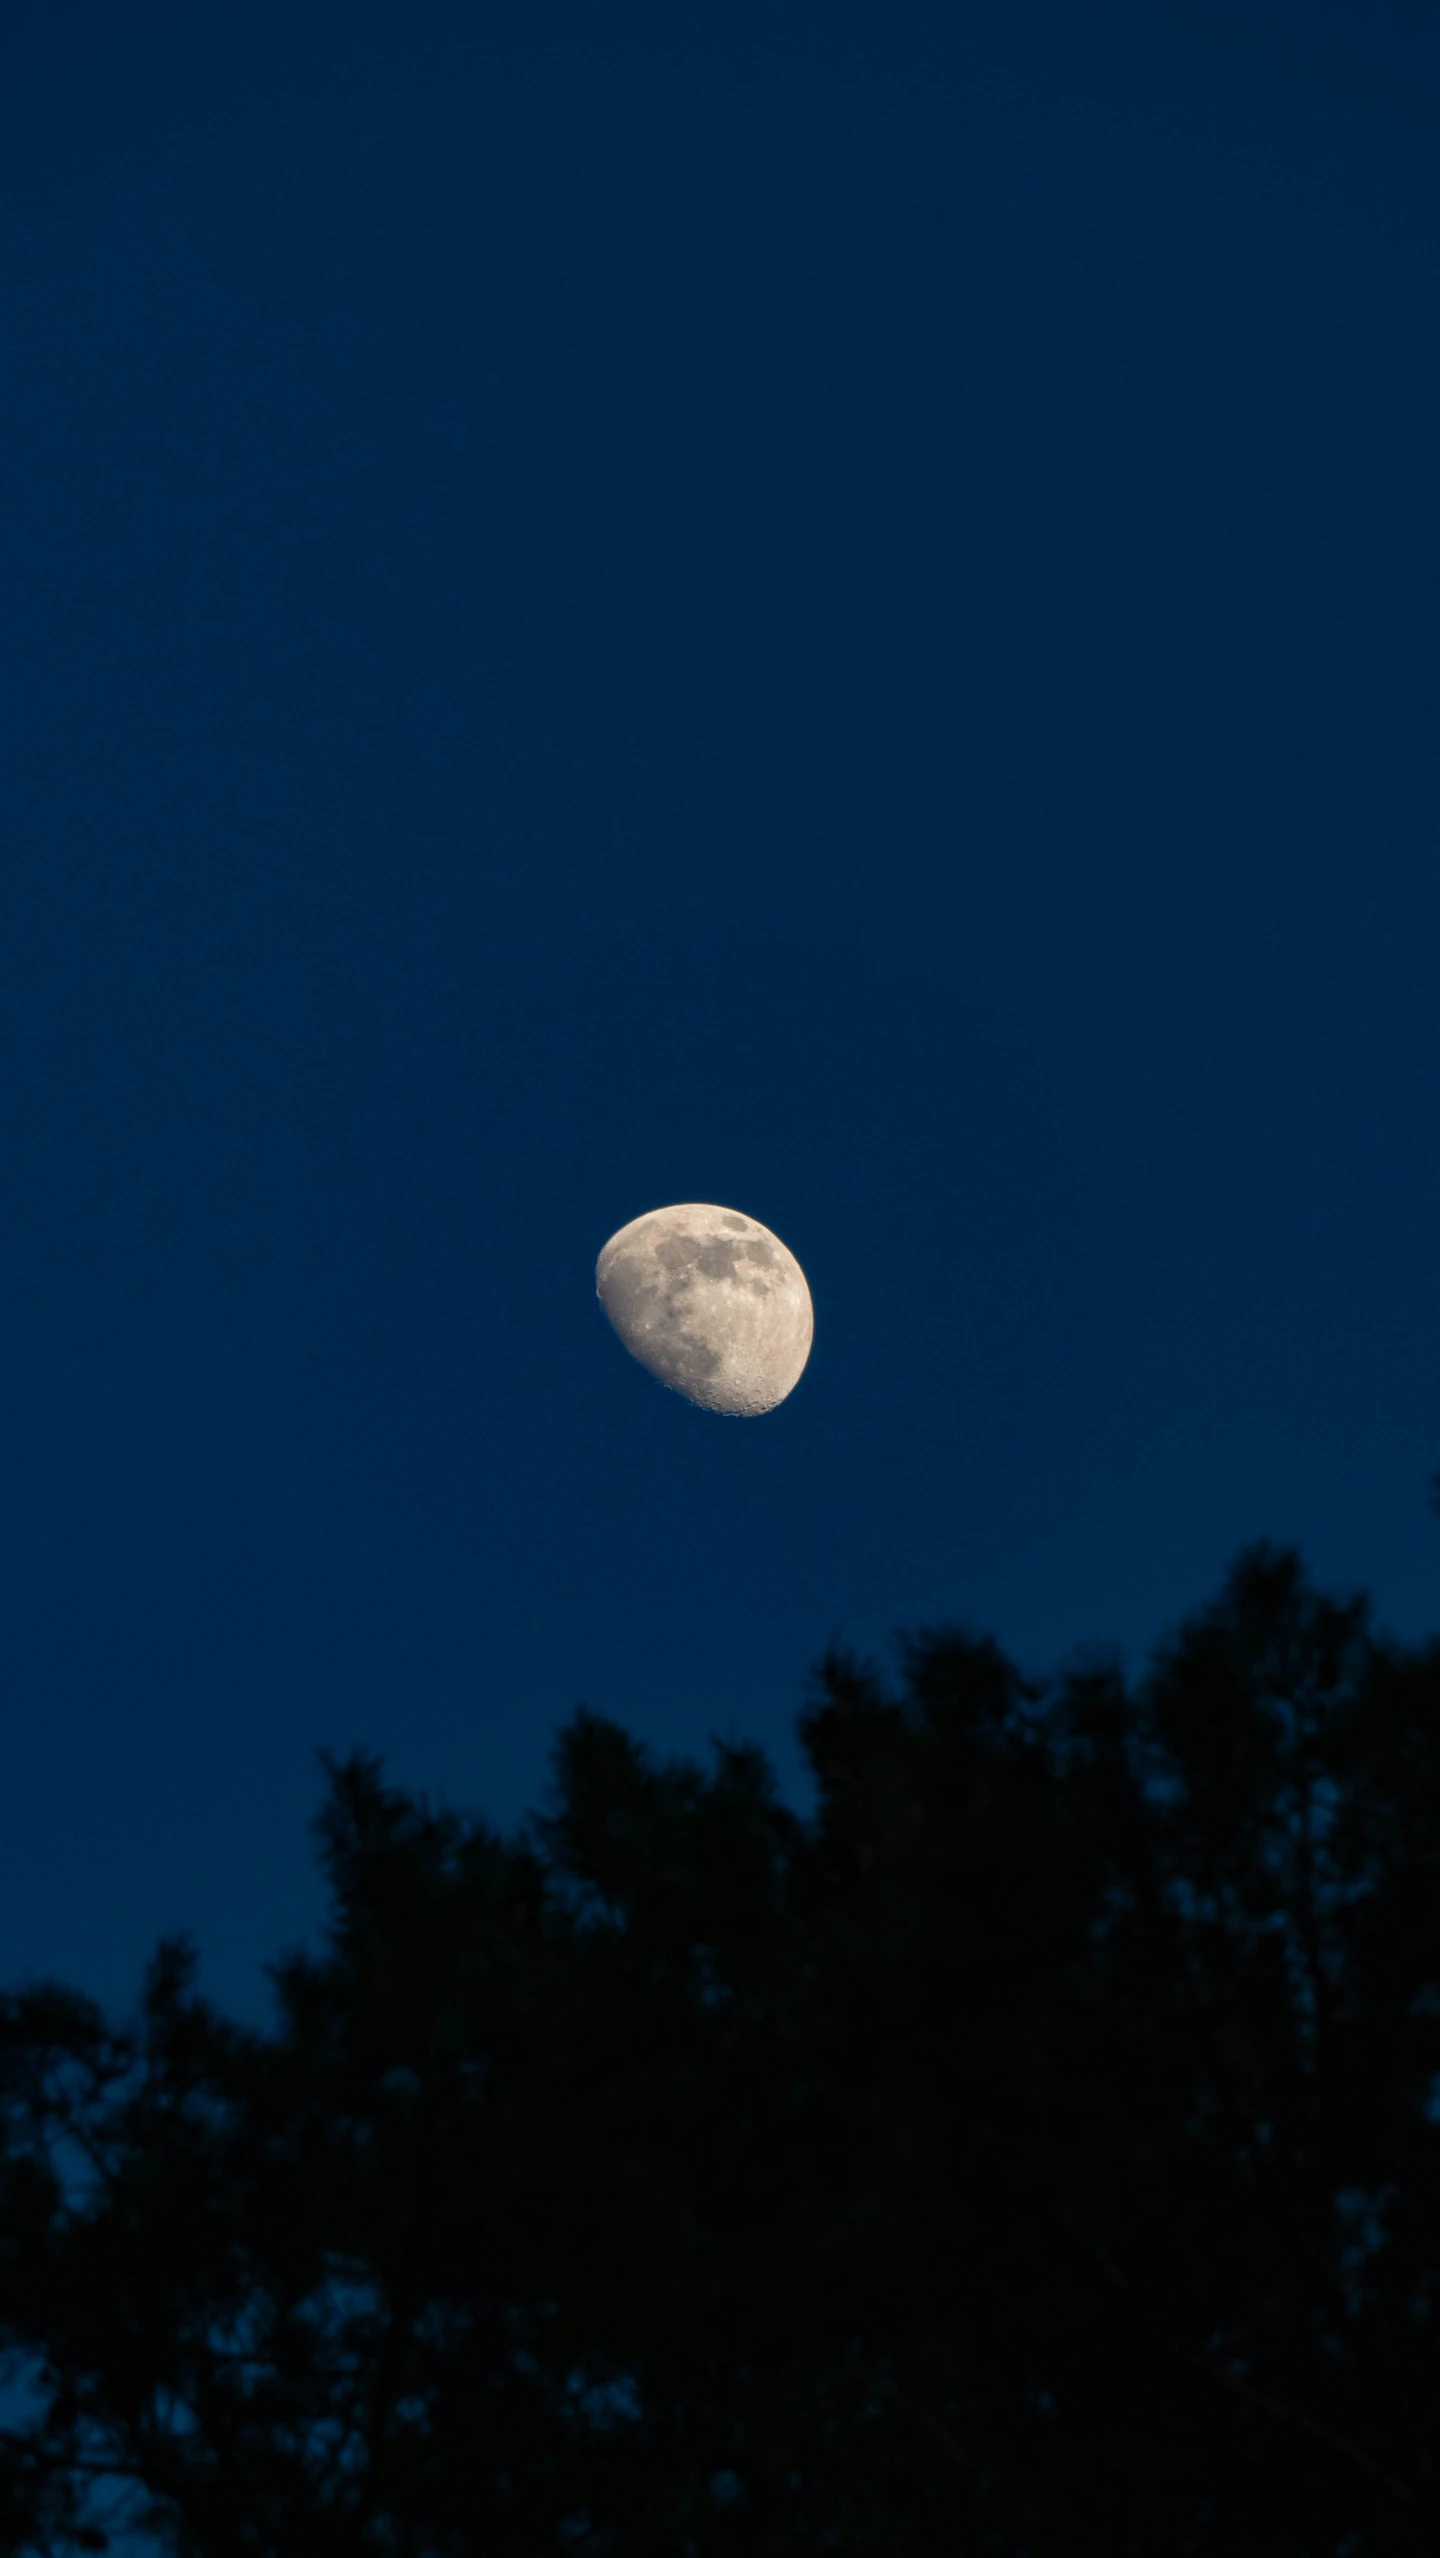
<point x="711" y="1303"/>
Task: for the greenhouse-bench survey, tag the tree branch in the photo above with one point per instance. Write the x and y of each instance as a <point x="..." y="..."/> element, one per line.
<point x="1258" y="2398"/>
<point x="1388" y="2385"/>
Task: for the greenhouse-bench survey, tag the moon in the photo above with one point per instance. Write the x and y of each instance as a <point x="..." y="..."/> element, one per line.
<point x="711" y="1303"/>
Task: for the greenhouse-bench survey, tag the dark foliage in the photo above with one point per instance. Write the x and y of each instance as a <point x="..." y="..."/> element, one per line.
<point x="1036" y="2154"/>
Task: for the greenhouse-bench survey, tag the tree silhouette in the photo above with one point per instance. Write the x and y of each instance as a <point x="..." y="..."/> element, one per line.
<point x="1034" y="2155"/>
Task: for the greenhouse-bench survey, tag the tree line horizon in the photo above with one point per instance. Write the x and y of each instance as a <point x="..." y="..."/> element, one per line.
<point x="1032" y="2153"/>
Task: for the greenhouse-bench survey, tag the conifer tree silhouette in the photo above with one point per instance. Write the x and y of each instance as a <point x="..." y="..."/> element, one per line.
<point x="1034" y="2155"/>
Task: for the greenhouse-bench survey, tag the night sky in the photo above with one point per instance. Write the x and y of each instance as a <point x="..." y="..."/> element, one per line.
<point x="830" y="611"/>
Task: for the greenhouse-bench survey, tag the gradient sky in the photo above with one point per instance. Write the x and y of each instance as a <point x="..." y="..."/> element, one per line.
<point x="840" y="620"/>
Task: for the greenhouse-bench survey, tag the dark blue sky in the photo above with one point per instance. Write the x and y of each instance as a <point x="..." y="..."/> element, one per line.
<point x="841" y="621"/>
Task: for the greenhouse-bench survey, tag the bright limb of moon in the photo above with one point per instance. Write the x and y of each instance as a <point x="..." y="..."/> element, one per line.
<point x="711" y="1303"/>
